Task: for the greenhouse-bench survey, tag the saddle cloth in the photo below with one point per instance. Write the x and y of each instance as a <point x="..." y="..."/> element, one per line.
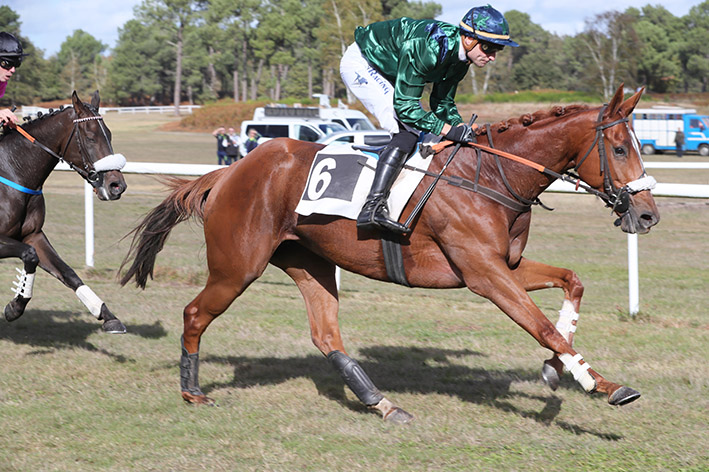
<point x="340" y="179"/>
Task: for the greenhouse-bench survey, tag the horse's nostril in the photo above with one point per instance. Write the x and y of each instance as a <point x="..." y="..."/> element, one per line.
<point x="117" y="188"/>
<point x="649" y="219"/>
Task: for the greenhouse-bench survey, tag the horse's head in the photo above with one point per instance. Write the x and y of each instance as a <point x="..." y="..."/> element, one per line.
<point x="88" y="150"/>
<point x="613" y="166"/>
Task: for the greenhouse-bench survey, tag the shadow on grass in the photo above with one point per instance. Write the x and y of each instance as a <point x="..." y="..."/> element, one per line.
<point x="56" y="330"/>
<point x="406" y="370"/>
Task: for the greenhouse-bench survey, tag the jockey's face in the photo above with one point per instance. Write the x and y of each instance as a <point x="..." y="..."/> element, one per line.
<point x="5" y="74"/>
<point x="479" y="57"/>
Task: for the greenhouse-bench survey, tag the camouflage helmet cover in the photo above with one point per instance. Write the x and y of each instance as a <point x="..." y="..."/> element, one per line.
<point x="487" y="24"/>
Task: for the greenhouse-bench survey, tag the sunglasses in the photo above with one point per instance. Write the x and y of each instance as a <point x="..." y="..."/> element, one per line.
<point x="490" y="48"/>
<point x="8" y="64"/>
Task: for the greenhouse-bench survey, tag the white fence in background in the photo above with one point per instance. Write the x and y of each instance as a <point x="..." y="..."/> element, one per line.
<point x="32" y="111"/>
<point x="662" y="190"/>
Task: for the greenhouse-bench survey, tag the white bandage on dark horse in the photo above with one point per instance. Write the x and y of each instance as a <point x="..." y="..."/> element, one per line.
<point x="110" y="162"/>
<point x="579" y="371"/>
<point x="24" y="284"/>
<point x="567" y="315"/>
<point x="90" y="299"/>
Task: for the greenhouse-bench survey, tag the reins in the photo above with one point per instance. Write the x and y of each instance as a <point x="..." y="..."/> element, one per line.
<point x="616" y="198"/>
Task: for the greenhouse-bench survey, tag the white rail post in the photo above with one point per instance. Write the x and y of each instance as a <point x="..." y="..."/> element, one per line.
<point x="633" y="282"/>
<point x="89" y="223"/>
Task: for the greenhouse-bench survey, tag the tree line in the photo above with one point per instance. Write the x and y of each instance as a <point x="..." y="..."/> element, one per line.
<point x="196" y="51"/>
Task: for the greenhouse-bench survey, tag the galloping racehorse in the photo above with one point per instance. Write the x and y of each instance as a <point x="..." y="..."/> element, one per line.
<point x="77" y="136"/>
<point x="462" y="238"/>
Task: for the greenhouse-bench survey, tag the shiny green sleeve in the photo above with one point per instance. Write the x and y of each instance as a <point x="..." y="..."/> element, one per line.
<point x="443" y="97"/>
<point x="415" y="59"/>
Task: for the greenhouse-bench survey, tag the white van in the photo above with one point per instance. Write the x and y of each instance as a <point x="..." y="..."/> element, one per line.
<point x="351" y="119"/>
<point x="295" y="128"/>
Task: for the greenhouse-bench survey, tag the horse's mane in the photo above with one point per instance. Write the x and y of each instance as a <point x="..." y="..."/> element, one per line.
<point x="554" y="113"/>
<point x="41" y="116"/>
<point x="30" y="122"/>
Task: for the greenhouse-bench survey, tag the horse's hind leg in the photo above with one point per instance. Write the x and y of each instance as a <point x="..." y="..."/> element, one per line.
<point x="315" y="278"/>
<point x="25" y="279"/>
<point x="211" y="302"/>
<point x="536" y="276"/>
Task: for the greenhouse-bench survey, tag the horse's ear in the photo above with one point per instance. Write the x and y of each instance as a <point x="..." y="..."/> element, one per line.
<point x="629" y="105"/>
<point x="79" y="106"/>
<point x="95" y="100"/>
<point x="615" y="103"/>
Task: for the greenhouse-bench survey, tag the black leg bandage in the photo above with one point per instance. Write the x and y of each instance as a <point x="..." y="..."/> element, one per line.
<point x="189" y="371"/>
<point x="355" y="378"/>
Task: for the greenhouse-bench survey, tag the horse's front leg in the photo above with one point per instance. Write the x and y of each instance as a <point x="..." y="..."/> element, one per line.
<point x="495" y="281"/>
<point x="50" y="261"/>
<point x="25" y="279"/>
<point x="536" y="276"/>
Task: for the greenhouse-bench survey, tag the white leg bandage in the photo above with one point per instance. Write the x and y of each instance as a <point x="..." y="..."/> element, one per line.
<point x="90" y="299"/>
<point x="578" y="370"/>
<point x="567" y="315"/>
<point x="24" y="284"/>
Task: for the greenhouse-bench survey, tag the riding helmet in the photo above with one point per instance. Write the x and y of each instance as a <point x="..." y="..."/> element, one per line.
<point x="487" y="24"/>
<point x="10" y="46"/>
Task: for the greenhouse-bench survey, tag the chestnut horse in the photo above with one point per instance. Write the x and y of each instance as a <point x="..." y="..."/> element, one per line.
<point x="460" y="239"/>
<point x="77" y="136"/>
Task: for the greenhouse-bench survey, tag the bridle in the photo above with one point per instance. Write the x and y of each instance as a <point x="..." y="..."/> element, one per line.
<point x="90" y="171"/>
<point x="616" y="198"/>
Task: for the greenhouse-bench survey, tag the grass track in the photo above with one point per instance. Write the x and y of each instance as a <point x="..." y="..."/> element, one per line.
<point x="72" y="398"/>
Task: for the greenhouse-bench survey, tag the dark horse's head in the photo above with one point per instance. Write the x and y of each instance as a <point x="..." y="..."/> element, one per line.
<point x="613" y="166"/>
<point x="89" y="152"/>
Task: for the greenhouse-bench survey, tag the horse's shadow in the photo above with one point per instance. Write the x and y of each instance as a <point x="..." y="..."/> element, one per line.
<point x="407" y="370"/>
<point x="49" y="330"/>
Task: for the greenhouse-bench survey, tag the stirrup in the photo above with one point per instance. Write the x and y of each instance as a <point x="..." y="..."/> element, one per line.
<point x="375" y="215"/>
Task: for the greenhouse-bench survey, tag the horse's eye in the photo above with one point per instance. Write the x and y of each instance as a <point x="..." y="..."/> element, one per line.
<point x="619" y="151"/>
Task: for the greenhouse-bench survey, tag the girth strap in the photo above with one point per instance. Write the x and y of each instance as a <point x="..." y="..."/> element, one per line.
<point x="394" y="260"/>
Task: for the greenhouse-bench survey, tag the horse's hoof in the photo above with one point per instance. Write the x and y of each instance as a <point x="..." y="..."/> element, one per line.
<point x="550" y="376"/>
<point x="398" y="416"/>
<point x="623" y="396"/>
<point x="202" y="400"/>
<point x="113" y="326"/>
<point x="10" y="313"/>
<point x="15" y="308"/>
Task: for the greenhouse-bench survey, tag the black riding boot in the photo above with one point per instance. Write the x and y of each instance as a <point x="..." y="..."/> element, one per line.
<point x="375" y="214"/>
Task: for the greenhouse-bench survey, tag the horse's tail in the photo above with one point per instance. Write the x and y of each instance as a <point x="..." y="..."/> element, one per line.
<point x="185" y="201"/>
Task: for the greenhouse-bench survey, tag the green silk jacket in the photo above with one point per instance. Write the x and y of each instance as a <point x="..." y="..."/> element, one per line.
<point x="411" y="53"/>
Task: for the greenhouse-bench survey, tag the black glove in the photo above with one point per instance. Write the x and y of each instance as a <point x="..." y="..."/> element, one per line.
<point x="460" y="134"/>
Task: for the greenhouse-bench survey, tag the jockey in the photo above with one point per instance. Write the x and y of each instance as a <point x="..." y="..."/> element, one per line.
<point x="10" y="59"/>
<point x="387" y="67"/>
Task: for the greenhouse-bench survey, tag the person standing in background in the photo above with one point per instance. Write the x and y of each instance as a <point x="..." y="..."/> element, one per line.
<point x="233" y="150"/>
<point x="222" y="142"/>
<point x="252" y="142"/>
<point x="679" y="142"/>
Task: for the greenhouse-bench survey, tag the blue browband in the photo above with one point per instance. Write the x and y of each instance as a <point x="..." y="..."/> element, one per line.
<point x="19" y="187"/>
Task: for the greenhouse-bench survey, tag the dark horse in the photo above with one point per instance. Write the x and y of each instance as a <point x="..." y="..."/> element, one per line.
<point x="460" y="239"/>
<point x="77" y="136"/>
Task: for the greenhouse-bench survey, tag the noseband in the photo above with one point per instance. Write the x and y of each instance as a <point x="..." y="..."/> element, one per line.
<point x="616" y="198"/>
<point x="90" y="172"/>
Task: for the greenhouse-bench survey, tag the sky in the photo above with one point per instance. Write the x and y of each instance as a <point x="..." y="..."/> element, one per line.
<point x="49" y="22"/>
